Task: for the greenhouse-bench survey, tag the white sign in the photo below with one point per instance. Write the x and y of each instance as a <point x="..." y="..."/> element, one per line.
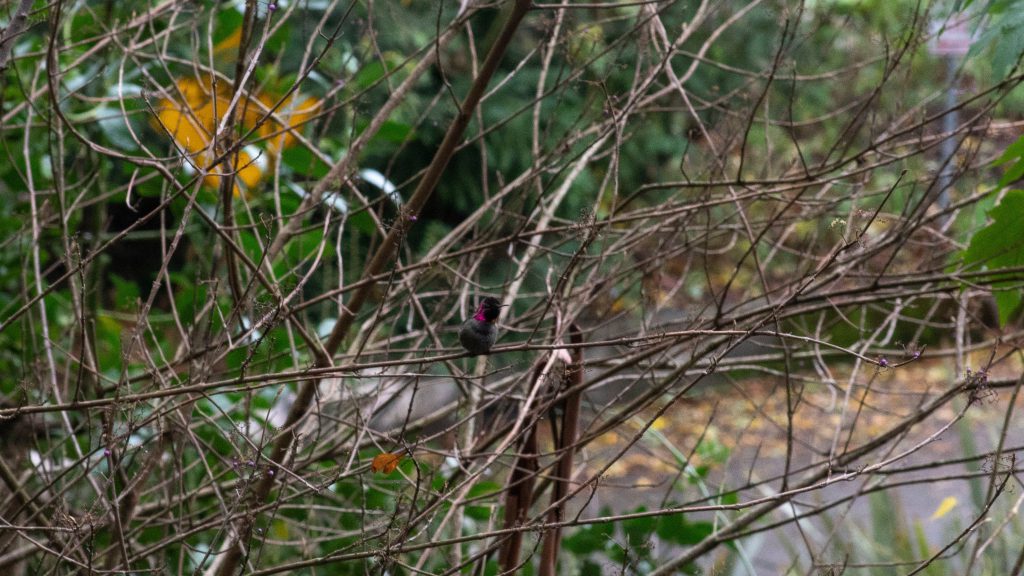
<point x="951" y="37"/>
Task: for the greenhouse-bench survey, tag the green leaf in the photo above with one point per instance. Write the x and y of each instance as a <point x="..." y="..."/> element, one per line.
<point x="379" y="500"/>
<point x="1004" y="34"/>
<point x="303" y="248"/>
<point x="370" y="74"/>
<point x="1012" y="173"/>
<point x="108" y="339"/>
<point x="591" y="568"/>
<point x="588" y="539"/>
<point x="363" y="222"/>
<point x="677" y="530"/>
<point x="480" y="511"/>
<point x="280" y="39"/>
<point x="127" y="293"/>
<point x="639" y="530"/>
<point x="485" y="488"/>
<point x="227" y="21"/>
<point x="392" y="131"/>
<point x="251" y="244"/>
<point x="389" y="131"/>
<point x="302" y="161"/>
<point x="1001" y="245"/>
<point x="730" y="498"/>
<point x="712" y="451"/>
<point x="1013" y="151"/>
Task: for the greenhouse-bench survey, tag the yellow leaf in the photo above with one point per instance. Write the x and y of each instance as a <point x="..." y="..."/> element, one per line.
<point x="249" y="167"/>
<point x="295" y="111"/>
<point x="947" y="504"/>
<point x="279" y="530"/>
<point x="386" y="462"/>
<point x="193" y="109"/>
<point x="185" y="131"/>
<point x="229" y="43"/>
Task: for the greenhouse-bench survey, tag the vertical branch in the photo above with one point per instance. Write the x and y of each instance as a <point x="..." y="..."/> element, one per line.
<point x="225" y="138"/>
<point x="17" y="25"/>
<point x="520" y="494"/>
<point x="566" y="443"/>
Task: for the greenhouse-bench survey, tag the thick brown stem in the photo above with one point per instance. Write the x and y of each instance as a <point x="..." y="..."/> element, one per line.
<point x="520" y="495"/>
<point x="566" y="443"/>
<point x="518" y="501"/>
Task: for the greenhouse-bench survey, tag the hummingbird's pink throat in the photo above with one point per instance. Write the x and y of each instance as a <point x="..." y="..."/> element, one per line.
<point x="479" y="316"/>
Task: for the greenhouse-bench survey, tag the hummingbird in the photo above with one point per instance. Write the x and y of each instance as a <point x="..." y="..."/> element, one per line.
<point x="478" y="333"/>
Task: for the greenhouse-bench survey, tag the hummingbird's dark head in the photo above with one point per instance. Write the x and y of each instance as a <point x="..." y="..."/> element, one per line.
<point x="488" y="310"/>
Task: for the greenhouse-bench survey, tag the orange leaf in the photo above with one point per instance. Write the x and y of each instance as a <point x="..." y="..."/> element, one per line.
<point x="386" y="462"/>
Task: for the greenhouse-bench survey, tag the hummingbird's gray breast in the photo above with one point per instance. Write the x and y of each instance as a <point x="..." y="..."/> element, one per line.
<point x="477" y="336"/>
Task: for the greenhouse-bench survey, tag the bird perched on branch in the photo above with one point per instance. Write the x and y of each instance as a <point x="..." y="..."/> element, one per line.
<point x="479" y="332"/>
